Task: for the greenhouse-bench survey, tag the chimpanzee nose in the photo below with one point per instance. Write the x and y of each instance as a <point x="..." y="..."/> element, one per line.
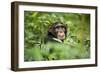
<point x="61" y="31"/>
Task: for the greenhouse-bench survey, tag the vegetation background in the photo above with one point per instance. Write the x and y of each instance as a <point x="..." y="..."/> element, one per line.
<point x="77" y="39"/>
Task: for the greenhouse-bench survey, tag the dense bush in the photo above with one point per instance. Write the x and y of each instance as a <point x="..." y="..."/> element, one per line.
<point x="77" y="39"/>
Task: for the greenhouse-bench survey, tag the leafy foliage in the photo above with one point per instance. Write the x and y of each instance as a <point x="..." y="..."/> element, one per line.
<point x="77" y="42"/>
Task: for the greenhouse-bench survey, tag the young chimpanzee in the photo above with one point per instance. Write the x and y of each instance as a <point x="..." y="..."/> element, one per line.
<point x="54" y="42"/>
<point x="57" y="32"/>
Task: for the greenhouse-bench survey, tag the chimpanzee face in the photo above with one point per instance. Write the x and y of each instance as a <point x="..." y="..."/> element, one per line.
<point x="60" y="33"/>
<point x="58" y="30"/>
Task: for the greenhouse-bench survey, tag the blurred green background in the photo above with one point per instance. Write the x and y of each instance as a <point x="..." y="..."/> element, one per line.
<point x="77" y="39"/>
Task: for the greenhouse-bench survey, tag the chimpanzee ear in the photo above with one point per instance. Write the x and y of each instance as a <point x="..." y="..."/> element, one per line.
<point x="50" y="29"/>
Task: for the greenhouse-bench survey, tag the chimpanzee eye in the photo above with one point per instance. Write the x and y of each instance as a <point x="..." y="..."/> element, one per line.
<point x="62" y="26"/>
<point x="57" y="27"/>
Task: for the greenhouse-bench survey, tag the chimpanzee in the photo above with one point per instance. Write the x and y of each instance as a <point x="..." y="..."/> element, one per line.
<point x="54" y="42"/>
<point x="57" y="32"/>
